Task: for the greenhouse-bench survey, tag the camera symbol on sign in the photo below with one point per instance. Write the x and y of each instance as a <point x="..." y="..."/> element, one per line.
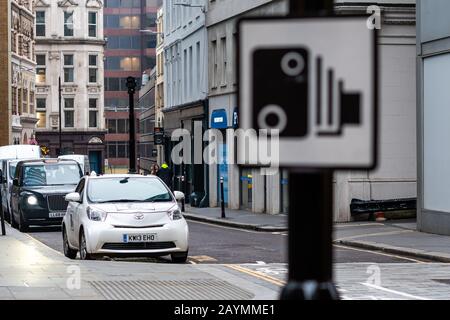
<point x="284" y="80"/>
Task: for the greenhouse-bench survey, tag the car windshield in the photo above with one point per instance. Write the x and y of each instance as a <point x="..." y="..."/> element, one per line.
<point x="127" y="190"/>
<point x="12" y="170"/>
<point x="51" y="175"/>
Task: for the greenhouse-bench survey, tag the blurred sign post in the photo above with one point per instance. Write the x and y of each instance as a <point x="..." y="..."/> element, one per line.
<point x="311" y="77"/>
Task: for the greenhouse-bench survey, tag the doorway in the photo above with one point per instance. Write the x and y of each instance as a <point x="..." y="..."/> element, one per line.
<point x="95" y="161"/>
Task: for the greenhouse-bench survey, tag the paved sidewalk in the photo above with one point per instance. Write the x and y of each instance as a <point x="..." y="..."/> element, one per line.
<point x="398" y="237"/>
<point x="31" y="270"/>
<point x="239" y="219"/>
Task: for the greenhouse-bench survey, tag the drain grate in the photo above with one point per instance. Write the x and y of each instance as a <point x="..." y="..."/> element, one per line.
<point x="204" y="289"/>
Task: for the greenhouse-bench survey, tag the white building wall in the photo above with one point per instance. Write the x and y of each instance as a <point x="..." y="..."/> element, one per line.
<point x="185" y="47"/>
<point x="221" y="21"/>
<point x="396" y="175"/>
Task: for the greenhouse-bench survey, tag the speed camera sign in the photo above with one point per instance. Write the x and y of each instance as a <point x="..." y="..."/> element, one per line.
<point x="313" y="81"/>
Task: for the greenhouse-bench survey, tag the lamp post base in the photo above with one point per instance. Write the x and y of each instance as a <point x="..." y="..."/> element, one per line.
<point x="310" y="290"/>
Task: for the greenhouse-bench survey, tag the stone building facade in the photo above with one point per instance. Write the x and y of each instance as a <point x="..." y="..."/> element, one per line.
<point x="18" y="111"/>
<point x="70" y="49"/>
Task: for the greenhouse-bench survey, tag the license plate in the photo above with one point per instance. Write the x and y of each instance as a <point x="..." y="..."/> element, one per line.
<point x="130" y="238"/>
<point x="56" y="214"/>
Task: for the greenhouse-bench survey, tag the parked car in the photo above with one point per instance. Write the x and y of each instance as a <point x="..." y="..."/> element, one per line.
<point x="83" y="161"/>
<point x="124" y="215"/>
<point x="9" y="172"/>
<point x="13" y="153"/>
<point x="39" y="190"/>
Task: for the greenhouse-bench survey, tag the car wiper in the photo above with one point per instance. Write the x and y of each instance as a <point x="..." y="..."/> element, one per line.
<point x="118" y="201"/>
<point x="161" y="200"/>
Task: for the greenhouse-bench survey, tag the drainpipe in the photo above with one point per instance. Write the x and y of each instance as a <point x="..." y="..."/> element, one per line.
<point x="204" y="203"/>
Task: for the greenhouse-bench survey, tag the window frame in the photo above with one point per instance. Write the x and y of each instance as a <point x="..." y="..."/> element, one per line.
<point x="95" y="13"/>
<point x="66" y="24"/>
<point x="44" y="24"/>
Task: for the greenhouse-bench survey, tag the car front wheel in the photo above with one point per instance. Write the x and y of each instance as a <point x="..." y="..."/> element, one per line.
<point x="13" y="220"/>
<point x="84" y="254"/>
<point x="180" y="257"/>
<point x="68" y="252"/>
<point x="23" y="226"/>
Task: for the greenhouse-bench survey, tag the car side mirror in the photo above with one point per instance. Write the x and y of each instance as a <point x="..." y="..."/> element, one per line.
<point x="179" y="196"/>
<point x="16" y="182"/>
<point x="73" y="197"/>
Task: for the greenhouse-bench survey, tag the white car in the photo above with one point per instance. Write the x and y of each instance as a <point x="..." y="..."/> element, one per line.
<point x="124" y="215"/>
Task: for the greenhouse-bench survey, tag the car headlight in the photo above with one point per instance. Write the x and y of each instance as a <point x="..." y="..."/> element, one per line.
<point x="96" y="215"/>
<point x="175" y="214"/>
<point x="32" y="200"/>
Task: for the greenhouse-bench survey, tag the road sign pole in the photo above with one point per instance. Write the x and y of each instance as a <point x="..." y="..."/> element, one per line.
<point x="222" y="198"/>
<point x="310" y="214"/>
<point x="2" y="216"/>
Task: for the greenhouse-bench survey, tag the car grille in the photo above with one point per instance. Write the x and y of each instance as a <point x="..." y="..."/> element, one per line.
<point x="57" y="203"/>
<point x="139" y="246"/>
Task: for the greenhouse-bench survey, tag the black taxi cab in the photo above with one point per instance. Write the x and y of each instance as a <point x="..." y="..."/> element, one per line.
<point x="39" y="190"/>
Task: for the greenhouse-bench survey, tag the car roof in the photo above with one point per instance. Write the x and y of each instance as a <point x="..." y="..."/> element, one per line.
<point x="46" y="161"/>
<point x="120" y="176"/>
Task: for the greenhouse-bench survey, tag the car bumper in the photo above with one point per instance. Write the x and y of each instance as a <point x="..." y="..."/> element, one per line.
<point x="109" y="240"/>
<point x="41" y="216"/>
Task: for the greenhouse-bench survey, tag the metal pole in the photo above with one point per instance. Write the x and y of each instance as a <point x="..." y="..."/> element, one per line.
<point x="310" y="214"/>
<point x="60" y="115"/>
<point x="222" y="198"/>
<point x="2" y="215"/>
<point x="132" y="145"/>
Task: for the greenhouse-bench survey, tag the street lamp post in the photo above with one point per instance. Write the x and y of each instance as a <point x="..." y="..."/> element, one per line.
<point x="60" y="115"/>
<point x="131" y="85"/>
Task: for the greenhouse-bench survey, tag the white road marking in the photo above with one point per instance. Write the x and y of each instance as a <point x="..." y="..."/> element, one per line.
<point x="225" y="227"/>
<point x="406" y="295"/>
<point x="341" y="226"/>
<point x="375" y="234"/>
<point x="380" y="253"/>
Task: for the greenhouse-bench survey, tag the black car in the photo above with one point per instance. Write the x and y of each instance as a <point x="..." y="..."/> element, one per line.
<point x="39" y="190"/>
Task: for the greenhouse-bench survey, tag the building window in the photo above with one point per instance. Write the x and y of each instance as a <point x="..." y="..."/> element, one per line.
<point x="223" y="42"/>
<point x="118" y="149"/>
<point x="92" y="68"/>
<point x="118" y="126"/>
<point x="93" y="118"/>
<point x="93" y="113"/>
<point x="25" y="101"/>
<point x="214" y="64"/>
<point x="68" y="24"/>
<point x="41" y="68"/>
<point x="32" y="101"/>
<point x="68" y="68"/>
<point x="130" y="22"/>
<point x="41" y="109"/>
<point x="92" y="24"/>
<point x="40" y="23"/>
<point x="19" y="101"/>
<point x="69" y="112"/>
<point x="14" y="100"/>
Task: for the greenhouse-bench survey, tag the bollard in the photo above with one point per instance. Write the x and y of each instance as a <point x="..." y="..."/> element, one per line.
<point x="183" y="202"/>
<point x="222" y="198"/>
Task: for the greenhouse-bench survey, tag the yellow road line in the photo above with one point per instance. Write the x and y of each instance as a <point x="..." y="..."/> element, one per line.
<point x="258" y="275"/>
